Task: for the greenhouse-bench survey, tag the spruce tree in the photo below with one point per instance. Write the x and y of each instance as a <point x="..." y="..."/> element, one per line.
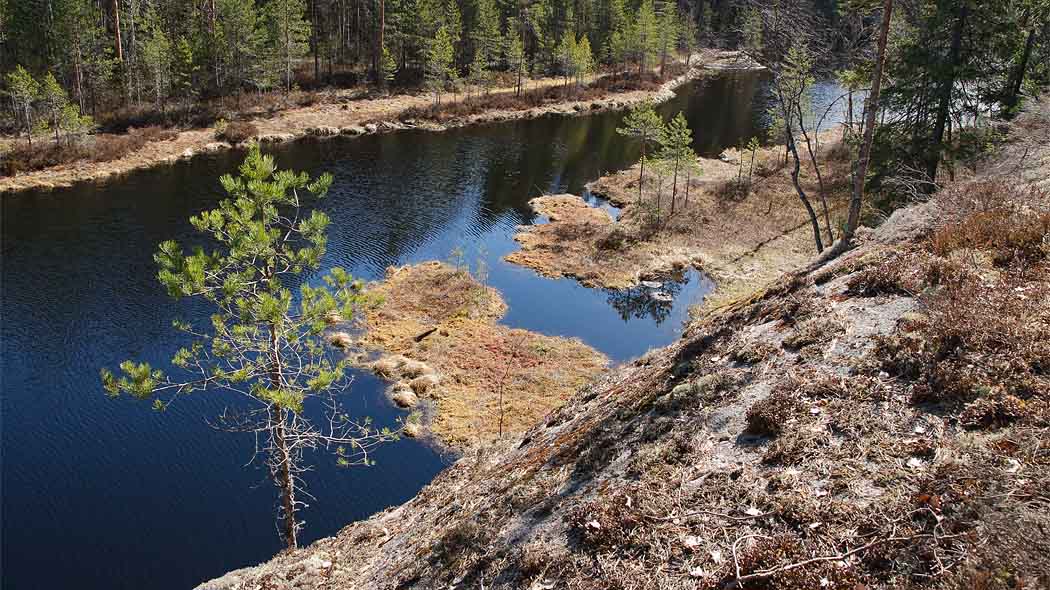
<point x="158" y="57"/>
<point x="288" y="34"/>
<point x="667" y="36"/>
<point x="387" y="67"/>
<point x="264" y="345"/>
<point x="645" y="39"/>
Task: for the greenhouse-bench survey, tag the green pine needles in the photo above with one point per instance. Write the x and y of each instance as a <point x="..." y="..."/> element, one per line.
<point x="263" y="344"/>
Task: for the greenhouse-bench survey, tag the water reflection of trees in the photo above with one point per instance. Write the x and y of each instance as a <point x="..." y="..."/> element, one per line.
<point x="639" y="302"/>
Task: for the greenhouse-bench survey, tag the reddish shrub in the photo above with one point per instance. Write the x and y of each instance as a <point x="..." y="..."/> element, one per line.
<point x="43" y="154"/>
<point x="238" y="131"/>
<point x="114" y="147"/>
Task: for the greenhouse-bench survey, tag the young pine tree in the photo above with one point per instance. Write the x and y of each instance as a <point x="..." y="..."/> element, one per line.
<point x="438" y="70"/>
<point x="567" y="56"/>
<point x="642" y="123"/>
<point x="676" y="149"/>
<point x="387" y="68"/>
<point x="23" y="90"/>
<point x="583" y="60"/>
<point x="264" y="346"/>
<point x="514" y="53"/>
<point x="54" y="99"/>
<point x="73" y="122"/>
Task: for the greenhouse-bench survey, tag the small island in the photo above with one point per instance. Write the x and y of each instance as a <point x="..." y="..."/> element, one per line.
<point x="436" y="331"/>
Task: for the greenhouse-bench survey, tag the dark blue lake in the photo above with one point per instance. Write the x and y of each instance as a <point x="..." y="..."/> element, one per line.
<point x="108" y="494"/>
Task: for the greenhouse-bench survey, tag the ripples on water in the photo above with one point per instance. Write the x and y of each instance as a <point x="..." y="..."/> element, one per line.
<point x="108" y="494"/>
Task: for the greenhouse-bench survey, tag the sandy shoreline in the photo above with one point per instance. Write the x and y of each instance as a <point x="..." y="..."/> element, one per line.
<point x="350" y="117"/>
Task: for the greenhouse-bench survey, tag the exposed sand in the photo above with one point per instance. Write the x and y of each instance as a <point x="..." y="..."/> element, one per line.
<point x="347" y="114"/>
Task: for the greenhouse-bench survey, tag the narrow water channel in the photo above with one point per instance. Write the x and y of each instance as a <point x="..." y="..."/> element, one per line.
<point x="108" y="494"/>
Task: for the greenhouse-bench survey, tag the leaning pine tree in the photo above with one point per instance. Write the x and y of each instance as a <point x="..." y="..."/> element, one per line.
<point x="263" y="344"/>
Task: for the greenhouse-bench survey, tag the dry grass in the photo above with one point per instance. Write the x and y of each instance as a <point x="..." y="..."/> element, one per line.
<point x="741" y="236"/>
<point x="453" y="108"/>
<point x="468" y="358"/>
<point x="100" y="148"/>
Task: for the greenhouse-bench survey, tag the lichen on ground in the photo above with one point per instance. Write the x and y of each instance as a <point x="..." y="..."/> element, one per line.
<point x="438" y="333"/>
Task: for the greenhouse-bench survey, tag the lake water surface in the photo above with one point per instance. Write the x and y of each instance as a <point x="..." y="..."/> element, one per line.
<point x="108" y="494"/>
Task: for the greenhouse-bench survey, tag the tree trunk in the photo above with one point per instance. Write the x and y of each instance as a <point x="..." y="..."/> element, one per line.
<point x="29" y="123"/>
<point x="382" y="32"/>
<point x="317" y="46"/>
<point x="944" y="108"/>
<point x="870" y="116"/>
<point x="281" y="463"/>
<point x="283" y="475"/>
<point x="802" y="193"/>
<point x="674" y="185"/>
<point x="78" y="74"/>
<point x="820" y="177"/>
<point x="849" y="113"/>
<point x="116" y="32"/>
<point x="641" y="173"/>
<point x="1015" y="91"/>
<point x="688" y="181"/>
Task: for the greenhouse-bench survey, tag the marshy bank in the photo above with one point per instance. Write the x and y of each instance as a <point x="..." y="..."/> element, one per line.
<point x="738" y="220"/>
<point x="437" y="333"/>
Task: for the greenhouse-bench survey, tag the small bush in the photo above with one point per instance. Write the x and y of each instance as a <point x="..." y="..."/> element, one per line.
<point x="628" y="82"/>
<point x="237" y="132"/>
<point x="767" y="417"/>
<point x="754" y="352"/>
<point x="733" y="189"/>
<point x="814" y="331"/>
<point x="1009" y="235"/>
<point x="114" y="147"/>
<point x="44" y="154"/>
<point x="616" y="240"/>
<point x="607" y="522"/>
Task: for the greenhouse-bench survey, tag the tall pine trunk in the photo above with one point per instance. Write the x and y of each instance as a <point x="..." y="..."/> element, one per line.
<point x="1015" y="90"/>
<point x="944" y="106"/>
<point x="870" y="116"/>
<point x="280" y="463"/>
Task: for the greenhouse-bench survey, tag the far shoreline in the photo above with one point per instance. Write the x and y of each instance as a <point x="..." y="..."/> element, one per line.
<point x="356" y="118"/>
